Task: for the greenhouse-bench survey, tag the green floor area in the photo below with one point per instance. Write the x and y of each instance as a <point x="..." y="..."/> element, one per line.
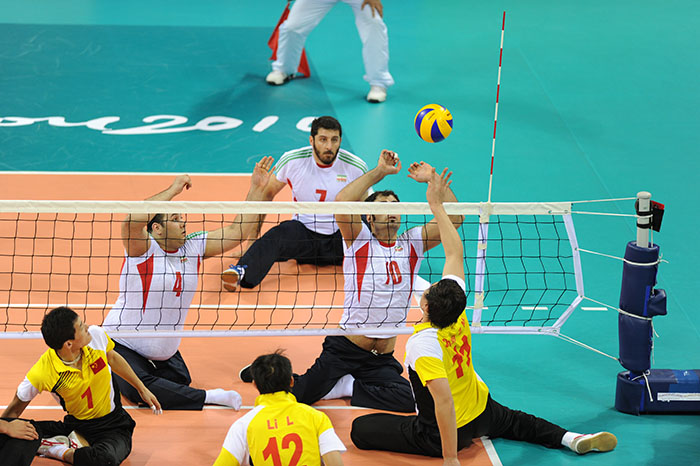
<point x="597" y="100"/>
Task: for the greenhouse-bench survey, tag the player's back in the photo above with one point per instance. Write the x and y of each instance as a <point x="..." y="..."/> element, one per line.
<point x="285" y="432"/>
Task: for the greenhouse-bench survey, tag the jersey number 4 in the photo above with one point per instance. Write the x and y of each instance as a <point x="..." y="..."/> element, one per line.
<point x="272" y="450"/>
<point x="178" y="284"/>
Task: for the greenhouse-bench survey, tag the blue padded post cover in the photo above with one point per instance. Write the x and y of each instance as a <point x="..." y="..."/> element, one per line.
<point x="638" y="297"/>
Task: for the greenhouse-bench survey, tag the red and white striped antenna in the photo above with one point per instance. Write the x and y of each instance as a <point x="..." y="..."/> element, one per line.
<point x="495" y="118"/>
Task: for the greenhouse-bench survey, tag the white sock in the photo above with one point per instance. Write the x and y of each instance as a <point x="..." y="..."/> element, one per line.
<point x="342" y="388"/>
<point x="219" y="396"/>
<point x="57" y="452"/>
<point x="568" y="438"/>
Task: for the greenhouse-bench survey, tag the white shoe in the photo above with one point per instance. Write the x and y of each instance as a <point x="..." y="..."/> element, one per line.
<point x="277" y="78"/>
<point x="602" y="441"/>
<point x="376" y="94"/>
<point x="232" y="276"/>
<point x="77" y="440"/>
<point x="47" y="443"/>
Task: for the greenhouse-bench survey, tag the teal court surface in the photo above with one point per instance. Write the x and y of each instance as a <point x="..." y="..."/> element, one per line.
<point x="597" y="101"/>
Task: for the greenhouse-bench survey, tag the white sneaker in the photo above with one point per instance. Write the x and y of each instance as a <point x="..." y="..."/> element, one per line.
<point x="277" y="78"/>
<point x="77" y="440"/>
<point x="47" y="443"/>
<point x="376" y="94"/>
<point x="602" y="441"/>
<point x="232" y="276"/>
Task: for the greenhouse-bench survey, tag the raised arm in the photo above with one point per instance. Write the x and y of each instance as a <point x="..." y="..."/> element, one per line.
<point x="134" y="234"/>
<point x="350" y="225"/>
<point x="423" y="172"/>
<point x="244" y="225"/>
<point x="438" y="188"/>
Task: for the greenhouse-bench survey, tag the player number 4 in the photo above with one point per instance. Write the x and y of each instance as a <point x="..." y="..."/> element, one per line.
<point x="178" y="284"/>
<point x="272" y="450"/>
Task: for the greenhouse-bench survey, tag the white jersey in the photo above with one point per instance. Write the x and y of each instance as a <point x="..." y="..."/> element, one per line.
<point x="155" y="293"/>
<point x="312" y="183"/>
<point x="379" y="279"/>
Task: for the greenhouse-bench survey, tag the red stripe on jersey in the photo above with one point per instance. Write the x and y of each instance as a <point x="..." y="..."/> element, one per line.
<point x="292" y="188"/>
<point x="199" y="262"/>
<point x="413" y="260"/>
<point x="146" y="273"/>
<point x="361" y="257"/>
<point x="122" y="269"/>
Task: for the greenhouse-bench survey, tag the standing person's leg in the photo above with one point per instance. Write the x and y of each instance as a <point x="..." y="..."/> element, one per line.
<point x="322" y="376"/>
<point x="171" y="394"/>
<point x="286" y="241"/>
<point x="303" y="18"/>
<point x="391" y="432"/>
<point x="375" y="45"/>
<point x="379" y="385"/>
<point x="499" y="421"/>
<point x="18" y="452"/>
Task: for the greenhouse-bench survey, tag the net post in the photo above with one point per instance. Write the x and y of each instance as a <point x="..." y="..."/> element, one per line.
<point x="643" y="207"/>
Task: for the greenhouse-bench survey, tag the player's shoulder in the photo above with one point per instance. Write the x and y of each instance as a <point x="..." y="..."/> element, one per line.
<point x="352" y="160"/>
<point x="294" y="154"/>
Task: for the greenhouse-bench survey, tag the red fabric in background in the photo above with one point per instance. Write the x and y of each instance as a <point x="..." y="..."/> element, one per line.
<point x="272" y="43"/>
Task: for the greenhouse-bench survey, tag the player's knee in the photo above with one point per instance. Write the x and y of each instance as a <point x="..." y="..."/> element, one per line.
<point x="360" y="432"/>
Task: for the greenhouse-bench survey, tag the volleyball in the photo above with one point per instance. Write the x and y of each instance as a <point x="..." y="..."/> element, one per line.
<point x="433" y="123"/>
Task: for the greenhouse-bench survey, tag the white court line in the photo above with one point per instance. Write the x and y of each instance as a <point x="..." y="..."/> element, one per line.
<point x="491" y="451"/>
<point x="594" y="308"/>
<point x="205" y="407"/>
<point x="534" y="308"/>
<point x="119" y="173"/>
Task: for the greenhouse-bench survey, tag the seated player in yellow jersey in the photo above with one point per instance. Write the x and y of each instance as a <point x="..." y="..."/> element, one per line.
<point x="77" y="369"/>
<point x="279" y="431"/>
<point x="454" y="405"/>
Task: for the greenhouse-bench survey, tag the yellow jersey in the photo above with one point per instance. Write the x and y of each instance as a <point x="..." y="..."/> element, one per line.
<point x="85" y="393"/>
<point x="279" y="431"/>
<point x="446" y="353"/>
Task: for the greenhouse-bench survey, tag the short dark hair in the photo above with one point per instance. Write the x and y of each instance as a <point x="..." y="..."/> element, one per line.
<point x="325" y="122"/>
<point x="387" y="192"/>
<point x="58" y="327"/>
<point x="272" y="373"/>
<point x="157" y="218"/>
<point x="446" y="302"/>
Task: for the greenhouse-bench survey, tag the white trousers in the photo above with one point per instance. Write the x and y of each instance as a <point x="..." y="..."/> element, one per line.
<point x="305" y="15"/>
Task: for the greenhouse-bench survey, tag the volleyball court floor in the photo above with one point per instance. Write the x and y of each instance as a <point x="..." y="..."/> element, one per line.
<point x="191" y="437"/>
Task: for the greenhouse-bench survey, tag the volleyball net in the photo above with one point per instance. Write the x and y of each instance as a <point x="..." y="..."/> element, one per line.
<point x="522" y="267"/>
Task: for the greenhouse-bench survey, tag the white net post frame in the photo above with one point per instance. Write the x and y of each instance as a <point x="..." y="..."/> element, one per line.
<point x="528" y="280"/>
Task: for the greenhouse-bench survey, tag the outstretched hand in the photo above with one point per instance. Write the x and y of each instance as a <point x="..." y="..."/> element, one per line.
<point x="389" y="162"/>
<point x="23" y="430"/>
<point x="181" y="182"/>
<point x="421" y="171"/>
<point x="374" y="5"/>
<point x="261" y="172"/>
<point x="437" y="186"/>
<point x="151" y="400"/>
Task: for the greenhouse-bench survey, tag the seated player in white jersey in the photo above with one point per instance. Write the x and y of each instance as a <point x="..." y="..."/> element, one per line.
<point x="79" y="369"/>
<point x="380" y="269"/>
<point x="315" y="173"/>
<point x="279" y="430"/>
<point x="454" y="404"/>
<point x="158" y="282"/>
